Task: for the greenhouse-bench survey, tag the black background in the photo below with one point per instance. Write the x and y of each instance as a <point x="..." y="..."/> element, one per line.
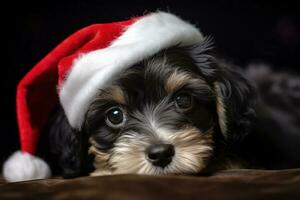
<point x="244" y="32"/>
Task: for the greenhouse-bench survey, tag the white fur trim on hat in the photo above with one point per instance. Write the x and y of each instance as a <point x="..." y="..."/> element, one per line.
<point x="93" y="70"/>
<point x="22" y="166"/>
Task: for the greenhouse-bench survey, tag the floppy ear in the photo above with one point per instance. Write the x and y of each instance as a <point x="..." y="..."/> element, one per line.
<point x="68" y="145"/>
<point x="235" y="96"/>
<point x="235" y="101"/>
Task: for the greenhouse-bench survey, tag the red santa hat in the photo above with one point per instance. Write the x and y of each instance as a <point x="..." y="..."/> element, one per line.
<point x="77" y="68"/>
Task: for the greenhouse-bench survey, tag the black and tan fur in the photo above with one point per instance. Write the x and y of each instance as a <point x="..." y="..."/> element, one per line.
<point x="206" y="137"/>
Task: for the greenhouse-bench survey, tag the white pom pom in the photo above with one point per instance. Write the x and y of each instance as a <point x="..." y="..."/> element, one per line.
<point x="22" y="166"/>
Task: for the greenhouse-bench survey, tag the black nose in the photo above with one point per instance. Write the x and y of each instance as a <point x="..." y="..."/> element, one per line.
<point x="160" y="154"/>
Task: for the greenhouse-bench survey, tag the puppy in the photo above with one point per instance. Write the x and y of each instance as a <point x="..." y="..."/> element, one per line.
<point x="149" y="96"/>
<point x="182" y="111"/>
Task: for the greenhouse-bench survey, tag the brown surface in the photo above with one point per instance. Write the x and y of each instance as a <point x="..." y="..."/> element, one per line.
<point x="232" y="184"/>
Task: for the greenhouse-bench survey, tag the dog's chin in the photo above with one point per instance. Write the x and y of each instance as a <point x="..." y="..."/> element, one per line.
<point x="146" y="168"/>
<point x="192" y="152"/>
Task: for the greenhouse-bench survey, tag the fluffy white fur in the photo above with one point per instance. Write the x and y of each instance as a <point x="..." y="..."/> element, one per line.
<point x="93" y="70"/>
<point x="22" y="166"/>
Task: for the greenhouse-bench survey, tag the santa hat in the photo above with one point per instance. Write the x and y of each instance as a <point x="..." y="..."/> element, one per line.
<point x="76" y="69"/>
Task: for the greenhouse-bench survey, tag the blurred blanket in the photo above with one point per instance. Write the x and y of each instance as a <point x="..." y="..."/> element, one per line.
<point x="229" y="184"/>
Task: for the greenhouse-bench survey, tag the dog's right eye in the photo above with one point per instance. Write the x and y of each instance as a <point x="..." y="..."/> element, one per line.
<point x="115" y="117"/>
<point x="184" y="101"/>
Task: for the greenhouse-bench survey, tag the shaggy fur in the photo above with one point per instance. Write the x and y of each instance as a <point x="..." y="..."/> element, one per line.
<point x="207" y="136"/>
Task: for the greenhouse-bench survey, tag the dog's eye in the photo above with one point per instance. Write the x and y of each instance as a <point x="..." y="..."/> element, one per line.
<point x="115" y="117"/>
<point x="184" y="101"/>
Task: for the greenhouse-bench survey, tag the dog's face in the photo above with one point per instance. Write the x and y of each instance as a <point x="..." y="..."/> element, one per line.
<point x="161" y="116"/>
<point x="165" y="115"/>
<point x="156" y="118"/>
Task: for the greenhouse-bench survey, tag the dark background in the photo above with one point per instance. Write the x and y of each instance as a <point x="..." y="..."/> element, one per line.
<point x="244" y="32"/>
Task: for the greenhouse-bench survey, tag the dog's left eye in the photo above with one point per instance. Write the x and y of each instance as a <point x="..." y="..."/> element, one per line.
<point x="184" y="101"/>
<point x="115" y="117"/>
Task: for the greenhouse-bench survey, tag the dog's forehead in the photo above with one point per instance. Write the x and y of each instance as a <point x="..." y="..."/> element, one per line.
<point x="154" y="79"/>
<point x="145" y="82"/>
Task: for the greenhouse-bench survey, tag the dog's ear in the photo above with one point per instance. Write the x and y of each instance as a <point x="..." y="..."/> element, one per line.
<point x="235" y="101"/>
<point x="68" y="145"/>
<point x="235" y="96"/>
